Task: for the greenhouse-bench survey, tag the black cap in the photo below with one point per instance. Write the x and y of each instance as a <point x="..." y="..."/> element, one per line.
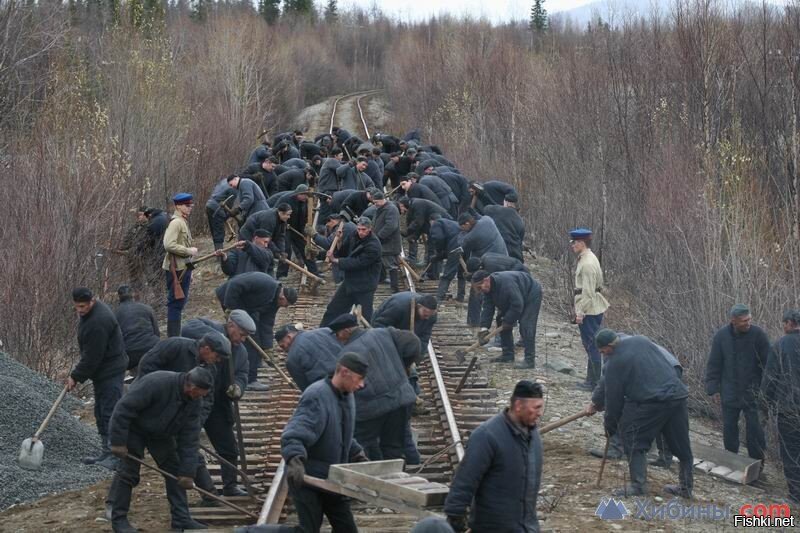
<point x="200" y="377"/>
<point x="291" y="294"/>
<point x="527" y="389"/>
<point x="285" y="330"/>
<point x="463" y="218"/>
<point x="262" y="233"/>
<point x="82" y="295"/>
<point x="347" y="320"/>
<point x="428" y="301"/>
<point x="479" y="276"/>
<point x="511" y="197"/>
<point x="218" y="343"/>
<point x="354" y="362"/>
<point x="791" y="315"/>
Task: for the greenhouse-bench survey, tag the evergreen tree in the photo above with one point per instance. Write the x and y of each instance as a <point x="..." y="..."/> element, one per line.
<point x="199" y="10"/>
<point x="539" y="20"/>
<point x="299" y="8"/>
<point x="331" y="12"/>
<point x="270" y="10"/>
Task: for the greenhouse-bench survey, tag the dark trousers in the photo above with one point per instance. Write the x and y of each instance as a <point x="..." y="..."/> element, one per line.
<point x="216" y="223"/>
<point x="265" y="323"/>
<point x="527" y="326"/>
<point x="789" y="433"/>
<point x="297" y="245"/>
<point x="411" y="452"/>
<point x="219" y="429"/>
<point x="451" y="269"/>
<point x="175" y="306"/>
<point x="589" y="328"/>
<point x="311" y="504"/>
<point x="163" y="451"/>
<point x="134" y="356"/>
<point x="343" y="301"/>
<point x="107" y="392"/>
<point x="384" y="437"/>
<point x="474" y="305"/>
<point x="515" y="252"/>
<point x="754" y="433"/>
<point x="643" y="422"/>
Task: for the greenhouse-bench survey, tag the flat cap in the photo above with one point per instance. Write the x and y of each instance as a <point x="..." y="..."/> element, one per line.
<point x="463" y="218"/>
<point x="739" y="310"/>
<point x="473" y="264"/>
<point x="428" y="301"/>
<point x="354" y="362"/>
<point x="792" y="315"/>
<point x="580" y="233"/>
<point x="333" y="216"/>
<point x="182" y="198"/>
<point x="605" y="337"/>
<point x="479" y="276"/>
<point x="262" y="233"/>
<point x="302" y="188"/>
<point x="283" y="331"/>
<point x="200" y="377"/>
<point x="217" y="342"/>
<point x="291" y="294"/>
<point x="347" y="320"/>
<point x="364" y="221"/>
<point x="82" y="294"/>
<point x="511" y="197"/>
<point x="243" y="320"/>
<point x="377" y="195"/>
<point x="527" y="389"/>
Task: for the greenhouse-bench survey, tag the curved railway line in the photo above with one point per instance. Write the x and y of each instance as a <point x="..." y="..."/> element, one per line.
<point x="440" y="432"/>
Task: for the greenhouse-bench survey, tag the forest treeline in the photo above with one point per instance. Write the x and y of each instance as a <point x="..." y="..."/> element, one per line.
<point x="674" y="137"/>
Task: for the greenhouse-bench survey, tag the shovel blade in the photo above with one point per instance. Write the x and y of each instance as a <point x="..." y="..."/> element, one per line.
<point x="30" y="454"/>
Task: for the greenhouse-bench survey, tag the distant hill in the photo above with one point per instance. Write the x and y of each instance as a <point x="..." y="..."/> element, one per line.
<point x="615" y="11"/>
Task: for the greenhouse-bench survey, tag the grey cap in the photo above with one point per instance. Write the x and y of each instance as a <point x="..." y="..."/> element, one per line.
<point x="243" y="320"/>
<point x="377" y="195"/>
<point x="792" y="315"/>
<point x="283" y="331"/>
<point x="200" y="377"/>
<point x="302" y="188"/>
<point x="217" y="342"/>
<point x="364" y="221"/>
<point x="739" y="310"/>
<point x="605" y="337"/>
<point x="479" y="276"/>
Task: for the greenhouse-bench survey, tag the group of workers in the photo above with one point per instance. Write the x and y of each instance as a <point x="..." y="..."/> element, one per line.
<point x="356" y="371"/>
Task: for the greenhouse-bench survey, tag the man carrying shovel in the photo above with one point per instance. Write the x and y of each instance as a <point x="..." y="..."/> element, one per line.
<point x="103" y="360"/>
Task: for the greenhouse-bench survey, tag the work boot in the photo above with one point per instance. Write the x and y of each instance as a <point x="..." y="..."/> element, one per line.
<point x="525" y="364"/>
<point x="234" y="490"/>
<point x="505" y="358"/>
<point x="661" y="462"/>
<point x="109" y="462"/>
<point x="121" y="525"/>
<point x="627" y="491"/>
<point x="394" y="280"/>
<point x="613" y="455"/>
<point x="257" y="386"/>
<point x="686" y="478"/>
<point x="119" y="496"/>
<point x="174" y="328"/>
<point x="188" y="525"/>
<point x="202" y="480"/>
<point x="104" y="454"/>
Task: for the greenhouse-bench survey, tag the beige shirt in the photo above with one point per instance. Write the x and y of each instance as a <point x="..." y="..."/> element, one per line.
<point x="588" y="278"/>
<point x="177" y="241"/>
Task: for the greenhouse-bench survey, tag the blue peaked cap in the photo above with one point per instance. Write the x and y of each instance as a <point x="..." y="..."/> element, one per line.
<point x="580" y="233"/>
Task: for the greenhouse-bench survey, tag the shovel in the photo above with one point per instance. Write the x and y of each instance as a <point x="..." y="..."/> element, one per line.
<point x="32" y="449"/>
<point x="462" y="354"/>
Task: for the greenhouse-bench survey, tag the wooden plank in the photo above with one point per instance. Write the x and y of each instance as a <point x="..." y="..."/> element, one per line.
<point x="370" y="468"/>
<point x="725" y="464"/>
<point x="395" y="489"/>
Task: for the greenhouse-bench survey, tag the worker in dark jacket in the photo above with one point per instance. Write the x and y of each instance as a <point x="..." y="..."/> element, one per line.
<point x="501" y="472"/>
<point x="395" y="311"/>
<point x="138" y="324"/>
<point x="251" y="197"/>
<point x="733" y="375"/>
<point x="325" y="240"/>
<point x="310" y="355"/>
<point x="263" y="174"/>
<point x="219" y="422"/>
<point x="289" y="180"/>
<point x="418" y="212"/>
<point x="273" y="221"/>
<point x="498" y="190"/>
<point x="320" y="434"/>
<point x="480" y="236"/>
<point x="442" y="191"/>
<point x="517" y="297"/>
<point x="383" y="406"/>
<point x="493" y="262"/>
<point x="359" y="258"/>
<point x="781" y="388"/>
<point x="418" y="190"/>
<point x="260" y="295"/>
<point x="299" y="201"/>
<point x="460" y="187"/>
<point x="443" y="241"/>
<point x="328" y="181"/>
<point x="103" y="360"/>
<point x="509" y="224"/>
<point x="223" y="193"/>
<point x="639" y="379"/>
<point x="386" y="226"/>
<point x="161" y="412"/>
<point x="353" y="175"/>
<point x="357" y="201"/>
<point x="157" y="222"/>
<point x="249" y="256"/>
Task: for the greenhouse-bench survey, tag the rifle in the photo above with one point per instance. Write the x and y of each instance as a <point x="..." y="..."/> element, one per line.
<point x="177" y="290"/>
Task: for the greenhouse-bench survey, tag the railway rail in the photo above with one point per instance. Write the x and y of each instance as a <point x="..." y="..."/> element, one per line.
<point x="441" y="432"/>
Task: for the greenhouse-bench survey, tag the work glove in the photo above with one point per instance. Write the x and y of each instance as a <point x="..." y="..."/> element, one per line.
<point x="234" y="392"/>
<point x="295" y="471"/>
<point x="119" y="451"/>
<point x="185" y="482"/>
<point x="483" y="336"/>
<point x="283" y="256"/>
<point x="361" y="457"/>
<point x="458" y="523"/>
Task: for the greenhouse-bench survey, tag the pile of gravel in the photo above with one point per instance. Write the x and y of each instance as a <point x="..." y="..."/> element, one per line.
<point x="25" y="399"/>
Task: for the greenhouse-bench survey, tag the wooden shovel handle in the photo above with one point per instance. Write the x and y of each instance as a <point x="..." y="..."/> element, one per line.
<point x="558" y="423"/>
<point x="51" y="413"/>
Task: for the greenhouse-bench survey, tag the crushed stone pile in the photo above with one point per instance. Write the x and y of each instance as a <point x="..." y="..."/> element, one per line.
<point x="25" y="399"/>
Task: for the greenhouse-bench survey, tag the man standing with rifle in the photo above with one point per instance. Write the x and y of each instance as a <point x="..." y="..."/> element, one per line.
<point x="179" y="249"/>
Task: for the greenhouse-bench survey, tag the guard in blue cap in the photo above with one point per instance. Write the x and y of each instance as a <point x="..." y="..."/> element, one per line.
<point x="178" y="245"/>
<point x="590" y="304"/>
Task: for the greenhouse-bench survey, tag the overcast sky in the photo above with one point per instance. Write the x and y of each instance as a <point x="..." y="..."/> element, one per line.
<point x="494" y="10"/>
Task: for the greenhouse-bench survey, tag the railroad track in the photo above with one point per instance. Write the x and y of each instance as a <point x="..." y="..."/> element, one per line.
<point x="440" y="434"/>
